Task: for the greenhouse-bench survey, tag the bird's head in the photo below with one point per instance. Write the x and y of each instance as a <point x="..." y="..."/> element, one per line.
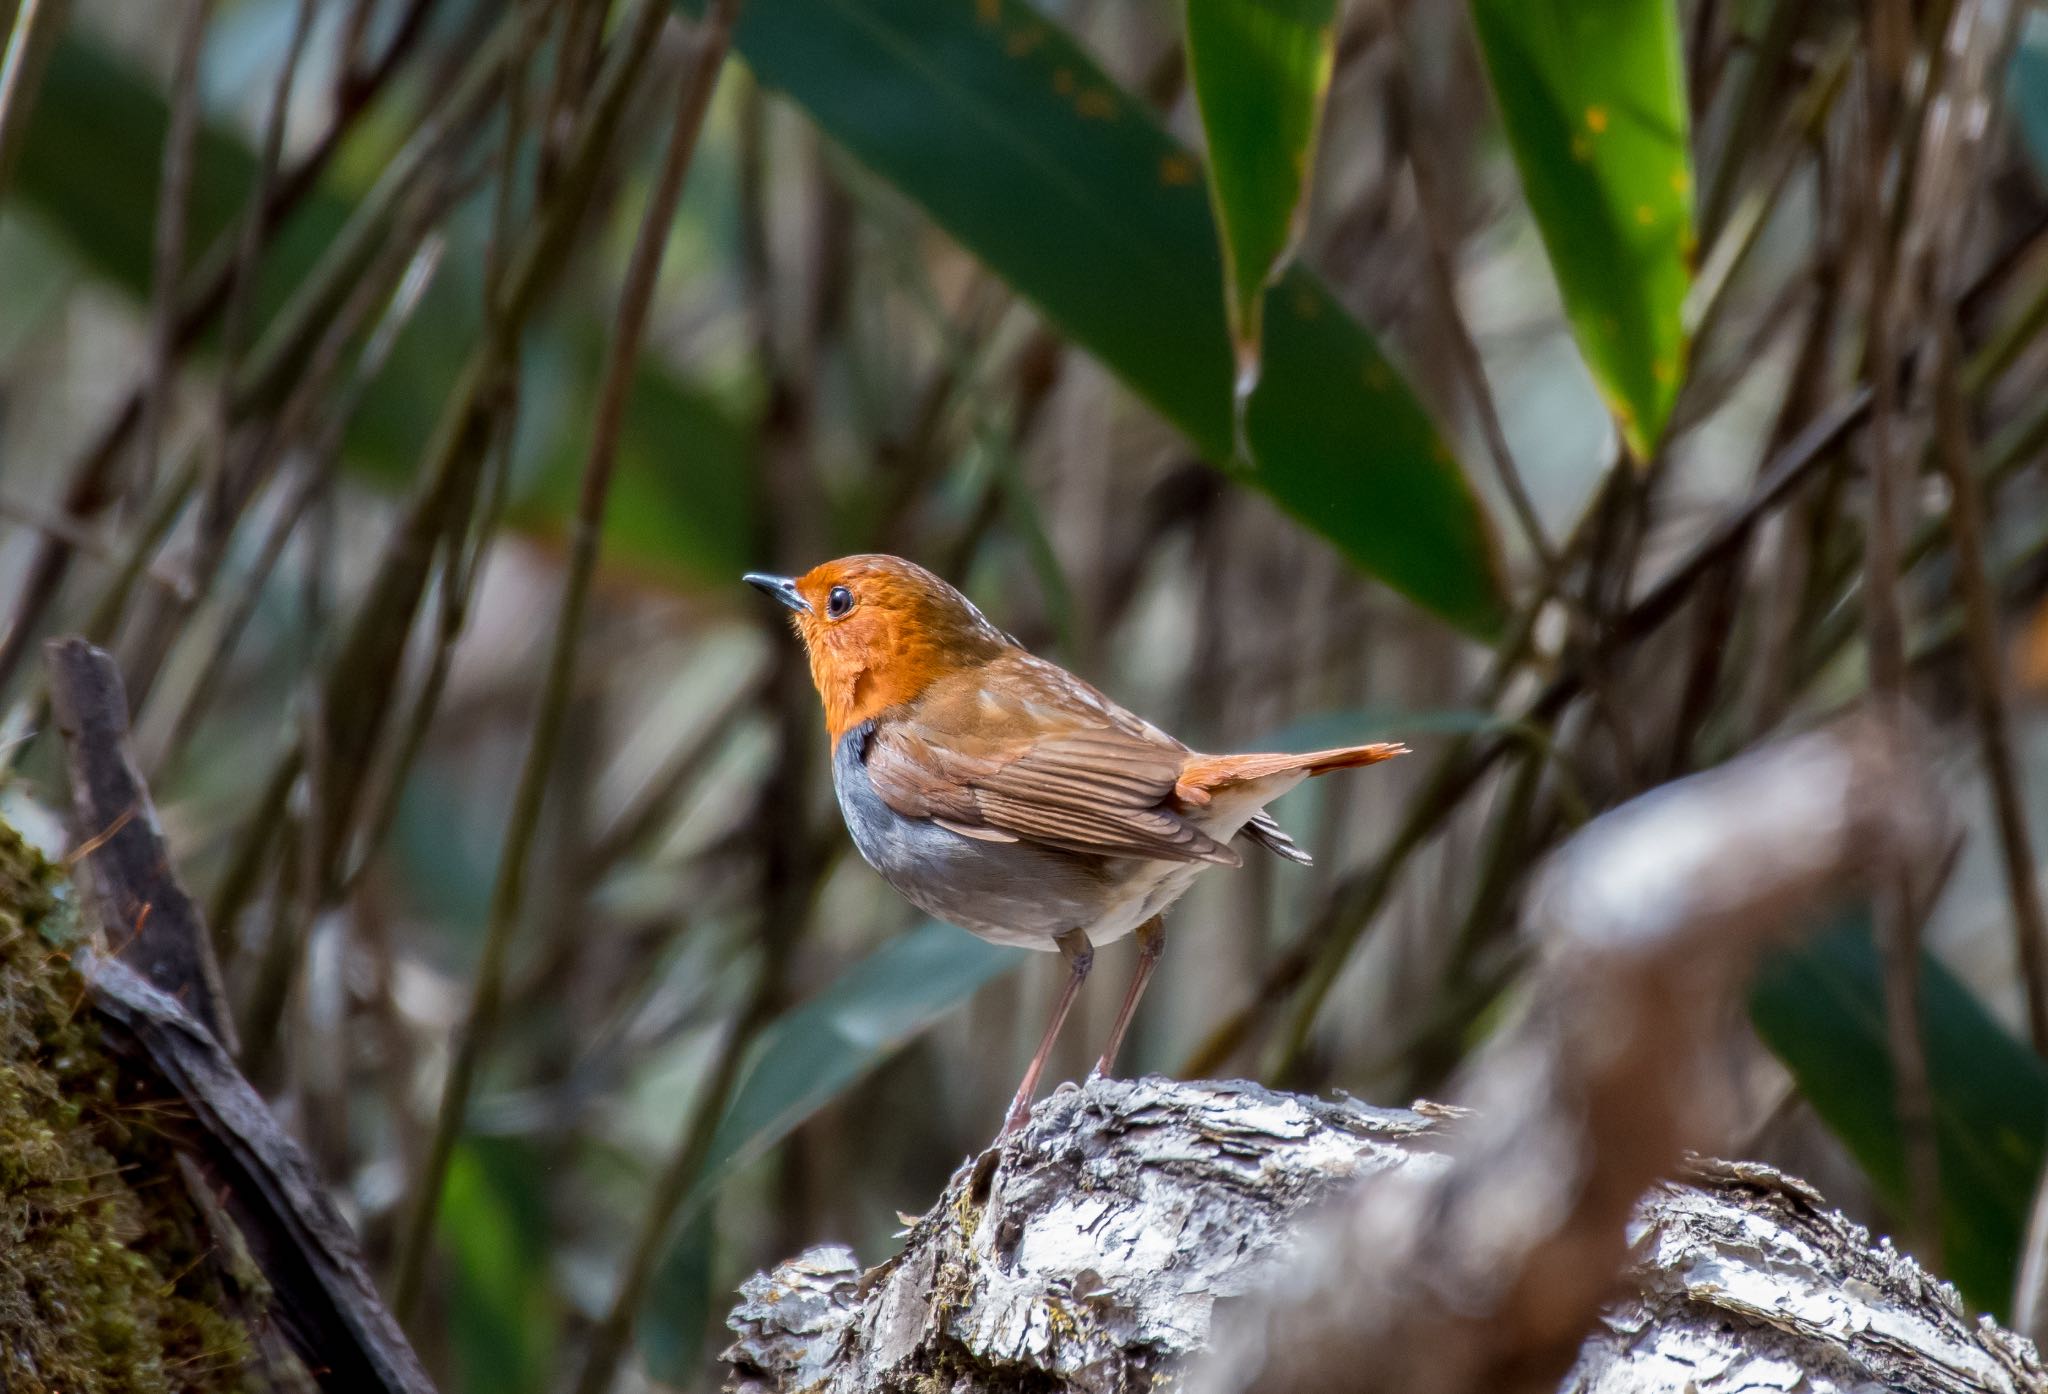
<point x="879" y="631"/>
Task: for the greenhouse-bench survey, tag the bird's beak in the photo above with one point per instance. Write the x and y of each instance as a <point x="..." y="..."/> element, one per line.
<point x="781" y="587"/>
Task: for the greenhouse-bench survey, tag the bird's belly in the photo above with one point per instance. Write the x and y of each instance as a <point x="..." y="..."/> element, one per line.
<point x="1144" y="889"/>
<point x="1006" y="892"/>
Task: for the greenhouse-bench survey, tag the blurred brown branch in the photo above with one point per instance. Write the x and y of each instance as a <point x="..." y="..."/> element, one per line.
<point x="1485" y="1275"/>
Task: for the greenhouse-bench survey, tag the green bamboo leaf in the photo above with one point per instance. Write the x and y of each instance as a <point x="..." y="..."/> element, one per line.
<point x="1820" y="1008"/>
<point x="1012" y="139"/>
<point x="92" y="158"/>
<point x="811" y="1056"/>
<point x="1260" y="70"/>
<point x="1593" y="101"/>
<point x="494" y="1227"/>
<point x="682" y="505"/>
<point x="679" y="1304"/>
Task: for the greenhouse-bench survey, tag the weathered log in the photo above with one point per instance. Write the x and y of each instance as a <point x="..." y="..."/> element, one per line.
<point x="1091" y="1255"/>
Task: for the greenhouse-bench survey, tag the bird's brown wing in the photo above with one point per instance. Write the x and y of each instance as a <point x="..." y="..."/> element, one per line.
<point x="1024" y="750"/>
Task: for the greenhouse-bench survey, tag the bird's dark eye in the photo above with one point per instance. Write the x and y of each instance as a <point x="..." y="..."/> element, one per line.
<point x="838" y="603"/>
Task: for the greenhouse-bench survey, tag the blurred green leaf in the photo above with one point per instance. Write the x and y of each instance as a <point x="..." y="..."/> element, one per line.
<point x="35" y="276"/>
<point x="1260" y="70"/>
<point x="1820" y="1008"/>
<point x="494" y="1225"/>
<point x="93" y="158"/>
<point x="682" y="504"/>
<point x="2027" y="82"/>
<point x="1015" y="141"/>
<point x="678" y="1315"/>
<point x="1592" y="98"/>
<point x="820" y="1049"/>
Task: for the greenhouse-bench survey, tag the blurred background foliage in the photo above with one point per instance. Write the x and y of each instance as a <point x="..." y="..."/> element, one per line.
<point x="1516" y="388"/>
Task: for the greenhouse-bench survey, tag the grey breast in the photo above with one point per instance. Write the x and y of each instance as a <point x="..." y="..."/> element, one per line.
<point x="1006" y="892"/>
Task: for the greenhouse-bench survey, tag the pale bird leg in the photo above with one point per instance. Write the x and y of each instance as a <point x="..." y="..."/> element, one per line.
<point x="1151" y="943"/>
<point x="1080" y="957"/>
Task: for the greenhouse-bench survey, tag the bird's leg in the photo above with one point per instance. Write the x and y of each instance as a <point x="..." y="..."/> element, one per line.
<point x="1151" y="943"/>
<point x="1080" y="957"/>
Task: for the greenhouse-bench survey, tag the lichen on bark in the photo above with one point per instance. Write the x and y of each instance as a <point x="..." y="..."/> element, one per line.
<point x="107" y="1275"/>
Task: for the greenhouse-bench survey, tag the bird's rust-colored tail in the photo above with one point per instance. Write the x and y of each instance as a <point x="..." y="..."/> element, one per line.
<point x="1206" y="774"/>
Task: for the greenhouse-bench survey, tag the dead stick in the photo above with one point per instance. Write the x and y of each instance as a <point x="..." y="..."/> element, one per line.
<point x="149" y="920"/>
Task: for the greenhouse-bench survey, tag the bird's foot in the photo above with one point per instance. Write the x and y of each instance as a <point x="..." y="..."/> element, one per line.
<point x="1014" y="1121"/>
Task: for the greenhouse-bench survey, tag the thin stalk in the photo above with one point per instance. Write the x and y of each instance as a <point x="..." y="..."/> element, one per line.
<point x="173" y="210"/>
<point x="2016" y="445"/>
<point x="2030" y="1292"/>
<point x="30" y="36"/>
<point x="657" y="801"/>
<point x="671" y="1188"/>
<point x="105" y="616"/>
<point x="263" y="1011"/>
<point x="1888" y="42"/>
<point x="582" y="31"/>
<point x="635" y="304"/>
<point x="1987" y="672"/>
<point x="244" y="871"/>
<point x="106" y="612"/>
<point x="1434" y="1050"/>
<point x="1443" y="274"/>
<point x="1933" y="36"/>
<point x="266" y="376"/>
<point x="459" y="570"/>
<point x="2012" y="336"/>
<point x="249" y="252"/>
<point x="1738" y="236"/>
<point x="1751" y="105"/>
<point x="84" y="539"/>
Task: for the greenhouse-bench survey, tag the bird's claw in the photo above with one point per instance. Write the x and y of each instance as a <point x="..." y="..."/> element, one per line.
<point x="1014" y="1121"/>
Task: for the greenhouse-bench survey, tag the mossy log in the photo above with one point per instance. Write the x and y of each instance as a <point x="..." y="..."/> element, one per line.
<point x="111" y="1275"/>
<point x="161" y="1232"/>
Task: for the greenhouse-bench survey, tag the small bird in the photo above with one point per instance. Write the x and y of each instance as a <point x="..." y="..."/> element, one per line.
<point x="998" y="791"/>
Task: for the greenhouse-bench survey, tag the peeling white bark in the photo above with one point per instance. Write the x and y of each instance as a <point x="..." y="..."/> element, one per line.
<point x="1090" y="1255"/>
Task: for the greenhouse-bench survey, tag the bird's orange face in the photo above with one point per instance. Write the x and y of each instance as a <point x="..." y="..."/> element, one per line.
<point x="880" y="630"/>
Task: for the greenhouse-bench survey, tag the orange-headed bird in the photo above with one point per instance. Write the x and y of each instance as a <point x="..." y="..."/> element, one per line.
<point x="1000" y="792"/>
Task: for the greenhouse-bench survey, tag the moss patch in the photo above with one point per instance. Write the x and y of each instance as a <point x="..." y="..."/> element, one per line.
<point x="105" y="1279"/>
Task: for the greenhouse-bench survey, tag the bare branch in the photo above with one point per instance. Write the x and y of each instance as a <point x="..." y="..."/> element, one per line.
<point x="148" y="919"/>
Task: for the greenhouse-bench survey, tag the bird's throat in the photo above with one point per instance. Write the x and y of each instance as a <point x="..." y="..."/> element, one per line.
<point x="864" y="669"/>
<point x="855" y="691"/>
